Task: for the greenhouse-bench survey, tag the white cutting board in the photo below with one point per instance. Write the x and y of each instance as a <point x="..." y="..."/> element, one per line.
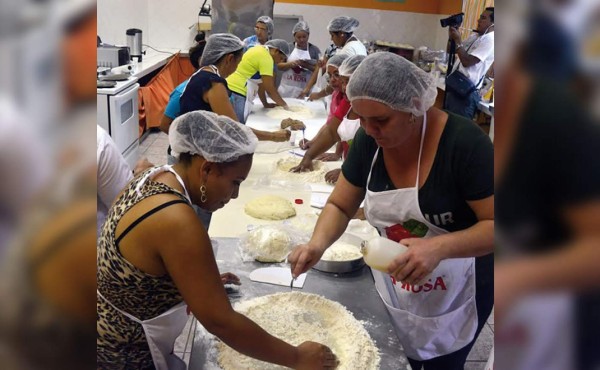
<point x="278" y="276"/>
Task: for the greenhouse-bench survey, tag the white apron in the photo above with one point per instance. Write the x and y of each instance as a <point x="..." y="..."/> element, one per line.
<point x="292" y="82"/>
<point x="251" y="92"/>
<point x="348" y="127"/>
<point x="162" y="331"/>
<point x="438" y="317"/>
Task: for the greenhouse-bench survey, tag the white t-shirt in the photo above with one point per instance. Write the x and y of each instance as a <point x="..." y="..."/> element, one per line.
<point x="113" y="174"/>
<point x="354" y="47"/>
<point x="481" y="47"/>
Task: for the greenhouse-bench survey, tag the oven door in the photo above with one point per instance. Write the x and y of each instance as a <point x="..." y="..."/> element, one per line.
<point x="124" y="121"/>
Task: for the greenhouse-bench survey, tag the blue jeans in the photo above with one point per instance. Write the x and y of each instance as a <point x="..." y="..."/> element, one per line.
<point x="239" y="103"/>
<point x="462" y="106"/>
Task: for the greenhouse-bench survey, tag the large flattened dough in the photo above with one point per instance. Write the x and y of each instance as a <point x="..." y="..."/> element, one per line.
<point x="270" y="207"/>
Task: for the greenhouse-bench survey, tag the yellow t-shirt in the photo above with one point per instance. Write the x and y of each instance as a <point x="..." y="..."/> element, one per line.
<point x="256" y="60"/>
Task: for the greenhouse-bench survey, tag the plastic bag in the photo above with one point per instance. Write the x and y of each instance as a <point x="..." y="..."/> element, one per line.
<point x="269" y="243"/>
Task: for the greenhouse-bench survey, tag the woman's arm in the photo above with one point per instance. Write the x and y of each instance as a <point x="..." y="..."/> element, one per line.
<point x="424" y="254"/>
<point x="165" y="123"/>
<point x="188" y="259"/>
<point x="325" y="139"/>
<point x="339" y="209"/>
<point x="219" y="102"/>
<point x="269" y="86"/>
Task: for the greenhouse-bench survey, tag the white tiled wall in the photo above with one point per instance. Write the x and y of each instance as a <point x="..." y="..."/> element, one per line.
<point x="165" y="23"/>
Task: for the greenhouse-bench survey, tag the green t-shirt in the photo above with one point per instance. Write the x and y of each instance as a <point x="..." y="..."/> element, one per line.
<point x="256" y="62"/>
<point x="463" y="169"/>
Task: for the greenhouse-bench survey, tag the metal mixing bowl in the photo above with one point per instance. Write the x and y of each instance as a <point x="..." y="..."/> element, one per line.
<point x="340" y="267"/>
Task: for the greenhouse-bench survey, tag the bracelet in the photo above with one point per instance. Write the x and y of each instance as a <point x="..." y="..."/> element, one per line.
<point x="459" y="46"/>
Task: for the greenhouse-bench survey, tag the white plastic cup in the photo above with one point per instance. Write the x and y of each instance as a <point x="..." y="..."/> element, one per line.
<point x="292" y="137"/>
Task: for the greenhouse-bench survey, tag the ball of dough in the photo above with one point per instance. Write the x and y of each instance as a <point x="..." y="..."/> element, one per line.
<point x="268" y="244"/>
<point x="270" y="207"/>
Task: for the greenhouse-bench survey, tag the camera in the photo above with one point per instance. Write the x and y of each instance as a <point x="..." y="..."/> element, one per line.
<point x="453" y="20"/>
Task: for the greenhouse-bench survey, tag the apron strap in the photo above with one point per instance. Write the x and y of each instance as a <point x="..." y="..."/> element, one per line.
<point x="130" y="316"/>
<point x="423" y="129"/>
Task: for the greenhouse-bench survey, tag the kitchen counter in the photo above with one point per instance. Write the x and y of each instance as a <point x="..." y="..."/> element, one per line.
<point x="152" y="61"/>
<point x="356" y="291"/>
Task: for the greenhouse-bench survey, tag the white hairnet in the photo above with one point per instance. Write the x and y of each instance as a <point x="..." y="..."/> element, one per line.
<point x="300" y="26"/>
<point x="268" y="22"/>
<point x="218" y="45"/>
<point x="343" y="24"/>
<point x="216" y="138"/>
<point x="349" y="65"/>
<point x="337" y="60"/>
<point x="398" y="83"/>
<point x="280" y="44"/>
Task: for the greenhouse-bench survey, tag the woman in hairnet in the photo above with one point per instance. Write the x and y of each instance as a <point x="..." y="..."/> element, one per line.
<point x="155" y="258"/>
<point x="340" y="127"/>
<point x="426" y="178"/>
<point x="207" y="88"/>
<point x="263" y="31"/>
<point x="254" y="75"/>
<point x="333" y="78"/>
<point x="300" y="64"/>
<point x="341" y="29"/>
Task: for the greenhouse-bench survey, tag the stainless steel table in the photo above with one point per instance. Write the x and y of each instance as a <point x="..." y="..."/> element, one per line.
<point x="355" y="291"/>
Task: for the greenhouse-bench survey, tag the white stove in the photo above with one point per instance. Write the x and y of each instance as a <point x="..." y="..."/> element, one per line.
<point x="118" y="115"/>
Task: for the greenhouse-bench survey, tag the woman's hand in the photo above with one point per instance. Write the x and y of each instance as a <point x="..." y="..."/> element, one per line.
<point x="421" y="258"/>
<point x="229" y="278"/>
<point x="303" y="257"/>
<point x="314" y="96"/>
<point x="313" y="355"/>
<point x="332" y="176"/>
<point x="304" y="144"/>
<point x="269" y="105"/>
<point x="281" y="135"/>
<point x="302" y="94"/>
<point x="329" y="157"/>
<point x="304" y="166"/>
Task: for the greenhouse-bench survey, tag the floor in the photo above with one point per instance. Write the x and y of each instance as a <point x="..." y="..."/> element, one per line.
<point x="154" y="148"/>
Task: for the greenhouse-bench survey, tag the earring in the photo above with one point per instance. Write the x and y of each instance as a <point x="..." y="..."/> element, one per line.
<point x="412" y="118"/>
<point x="203" y="193"/>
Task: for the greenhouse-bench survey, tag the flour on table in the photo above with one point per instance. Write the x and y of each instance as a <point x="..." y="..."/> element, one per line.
<point x="294" y="112"/>
<point x="298" y="317"/>
<point x="268" y="244"/>
<point x="284" y="165"/>
<point x="270" y="207"/>
<point x="341" y="251"/>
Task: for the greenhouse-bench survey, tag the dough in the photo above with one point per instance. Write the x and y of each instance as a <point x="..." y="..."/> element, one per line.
<point x="268" y="244"/>
<point x="270" y="207"/>
<point x="285" y="164"/>
<point x="295" y="112"/>
<point x="297" y="317"/>
<point x="293" y="124"/>
<point x="342" y="251"/>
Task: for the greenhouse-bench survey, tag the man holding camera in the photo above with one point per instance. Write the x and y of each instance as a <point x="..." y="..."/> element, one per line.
<point x="475" y="56"/>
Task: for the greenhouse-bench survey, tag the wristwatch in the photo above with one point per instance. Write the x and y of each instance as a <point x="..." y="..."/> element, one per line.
<point x="459" y="46"/>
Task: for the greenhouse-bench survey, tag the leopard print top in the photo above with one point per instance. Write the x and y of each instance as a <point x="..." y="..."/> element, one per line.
<point x="121" y="343"/>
